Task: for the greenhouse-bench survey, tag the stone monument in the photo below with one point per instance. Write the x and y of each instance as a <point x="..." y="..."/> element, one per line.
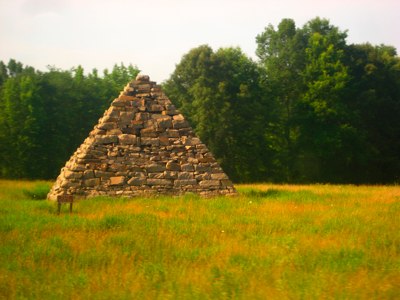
<point x="141" y="146"/>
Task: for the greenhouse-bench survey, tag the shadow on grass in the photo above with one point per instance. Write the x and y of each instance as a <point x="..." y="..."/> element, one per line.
<point x="303" y="196"/>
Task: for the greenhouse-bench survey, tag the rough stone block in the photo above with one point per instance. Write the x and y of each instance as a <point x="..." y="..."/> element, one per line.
<point x="76" y="167"/>
<point x="179" y="117"/>
<point x="162" y="182"/>
<point x="103" y="174"/>
<point x="184" y="182"/>
<point x="107" y="126"/>
<point x="185" y="175"/>
<point x="150" y="141"/>
<point x="113" y="112"/>
<point x="126" y="116"/>
<point x="219" y="176"/>
<point x="210" y="183"/>
<point x="164" y="140"/>
<point x="173" y="166"/>
<point x="117" y="180"/>
<point x="137" y="181"/>
<point x="105" y="139"/>
<point x="178" y="124"/>
<point x="173" y="133"/>
<point x="127" y="139"/>
<point x="156" y="108"/>
<point x="164" y="122"/>
<point x="126" y="98"/>
<point x="149" y="132"/>
<point x="187" y="167"/>
<point x="154" y="168"/>
<point x="202" y="168"/>
<point x="72" y="175"/>
<point x="114" y="132"/>
<point x="91" y="182"/>
<point x="170" y="174"/>
<point x="142" y="116"/>
<point x="226" y="182"/>
<point x="88" y="174"/>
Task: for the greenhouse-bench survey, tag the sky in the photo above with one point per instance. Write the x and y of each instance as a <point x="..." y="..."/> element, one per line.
<point x="155" y="34"/>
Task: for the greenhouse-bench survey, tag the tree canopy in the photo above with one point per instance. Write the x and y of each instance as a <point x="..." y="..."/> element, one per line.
<point x="44" y="116"/>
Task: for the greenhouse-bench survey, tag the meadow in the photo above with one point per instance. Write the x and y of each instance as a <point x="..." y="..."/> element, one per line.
<point x="270" y="242"/>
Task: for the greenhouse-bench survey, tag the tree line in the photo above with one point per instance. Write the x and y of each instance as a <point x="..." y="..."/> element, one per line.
<point x="310" y="108"/>
<point x="45" y="116"/>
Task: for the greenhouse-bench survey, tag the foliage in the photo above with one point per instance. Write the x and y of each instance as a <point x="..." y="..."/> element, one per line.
<point x="270" y="242"/>
<point x="44" y="116"/>
<point x="317" y="109"/>
<point x="220" y="93"/>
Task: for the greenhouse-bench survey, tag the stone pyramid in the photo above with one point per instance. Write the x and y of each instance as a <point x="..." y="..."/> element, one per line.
<point x="142" y="145"/>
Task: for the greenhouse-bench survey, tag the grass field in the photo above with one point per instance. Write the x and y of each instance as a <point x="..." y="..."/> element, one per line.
<point x="270" y="242"/>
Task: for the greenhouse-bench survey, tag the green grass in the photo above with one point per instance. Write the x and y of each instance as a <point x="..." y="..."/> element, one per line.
<point x="270" y="242"/>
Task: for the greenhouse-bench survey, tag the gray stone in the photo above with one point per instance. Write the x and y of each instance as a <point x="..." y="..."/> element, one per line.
<point x="178" y="124"/>
<point x="210" y="183"/>
<point x="118" y="103"/>
<point x="126" y="116"/>
<point x="173" y="166"/>
<point x="117" y="180"/>
<point x="162" y="182"/>
<point x="170" y="174"/>
<point x="98" y="174"/>
<point x="127" y="139"/>
<point x="187" y="167"/>
<point x="91" y="182"/>
<point x="202" y="168"/>
<point x="155" y="108"/>
<point x="107" y="126"/>
<point x="149" y="141"/>
<point x="164" y="122"/>
<point x="142" y="78"/>
<point x="114" y="132"/>
<point x="149" y="132"/>
<point x="154" y="168"/>
<point x="185" y="175"/>
<point x="219" y="176"/>
<point x="105" y="139"/>
<point x="173" y="133"/>
<point x="88" y="174"/>
<point x="184" y="182"/>
<point x="72" y="175"/>
<point x="137" y="181"/>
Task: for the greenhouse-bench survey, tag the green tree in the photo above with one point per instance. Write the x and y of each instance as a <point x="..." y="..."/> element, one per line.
<point x="45" y="116"/>
<point x="18" y="125"/>
<point x="281" y="55"/>
<point x="374" y="94"/>
<point x="220" y="94"/>
<point x="326" y="135"/>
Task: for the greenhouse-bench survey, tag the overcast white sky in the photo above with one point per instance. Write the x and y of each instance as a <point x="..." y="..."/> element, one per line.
<point x="155" y="34"/>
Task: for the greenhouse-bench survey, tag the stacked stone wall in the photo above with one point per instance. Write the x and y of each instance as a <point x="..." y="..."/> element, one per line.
<point x="141" y="145"/>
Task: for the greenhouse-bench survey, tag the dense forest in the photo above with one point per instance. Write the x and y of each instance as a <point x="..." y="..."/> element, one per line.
<point x="310" y="108"/>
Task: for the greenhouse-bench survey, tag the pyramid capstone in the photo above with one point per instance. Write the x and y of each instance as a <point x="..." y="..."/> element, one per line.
<point x="142" y="145"/>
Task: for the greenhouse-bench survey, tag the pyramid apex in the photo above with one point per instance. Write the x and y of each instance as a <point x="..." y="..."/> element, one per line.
<point x="143" y="78"/>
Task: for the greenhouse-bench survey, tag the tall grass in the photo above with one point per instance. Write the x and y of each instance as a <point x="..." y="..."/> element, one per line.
<point x="271" y="242"/>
